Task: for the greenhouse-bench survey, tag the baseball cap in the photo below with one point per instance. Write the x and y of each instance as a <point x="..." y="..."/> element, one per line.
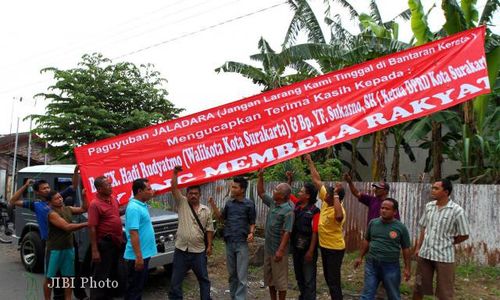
<point x="382" y="185"/>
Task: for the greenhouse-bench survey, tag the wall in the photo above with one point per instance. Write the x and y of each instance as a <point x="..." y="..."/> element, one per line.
<point x="481" y="204"/>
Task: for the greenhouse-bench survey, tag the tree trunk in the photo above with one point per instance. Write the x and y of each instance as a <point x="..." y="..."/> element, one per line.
<point x="354" y="158"/>
<point x="437" y="150"/>
<point x="379" y="170"/>
<point x="395" y="162"/>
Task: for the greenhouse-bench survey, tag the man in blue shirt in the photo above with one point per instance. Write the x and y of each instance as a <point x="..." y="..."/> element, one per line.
<point x="141" y="244"/>
<point x="41" y="209"/>
<point x="40" y="206"/>
<point x="239" y="227"/>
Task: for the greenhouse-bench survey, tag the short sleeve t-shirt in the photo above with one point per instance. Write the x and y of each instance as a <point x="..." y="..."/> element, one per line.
<point x="386" y="240"/>
<point x="279" y="219"/>
<point x="105" y="216"/>
<point x="330" y="231"/>
<point x="374" y="205"/>
<point x="137" y="218"/>
<point x="41" y="210"/>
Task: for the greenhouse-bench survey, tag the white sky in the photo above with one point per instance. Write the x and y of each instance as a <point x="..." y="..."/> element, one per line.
<point x="38" y="34"/>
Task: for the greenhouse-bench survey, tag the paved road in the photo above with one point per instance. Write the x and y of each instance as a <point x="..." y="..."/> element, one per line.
<point x="16" y="283"/>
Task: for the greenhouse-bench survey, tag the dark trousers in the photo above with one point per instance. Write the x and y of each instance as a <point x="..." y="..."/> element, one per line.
<point x="305" y="273"/>
<point x="107" y="269"/>
<point x="136" y="280"/>
<point x="332" y="261"/>
<point x="183" y="262"/>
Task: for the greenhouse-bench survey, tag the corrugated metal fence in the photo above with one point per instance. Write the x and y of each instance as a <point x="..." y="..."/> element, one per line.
<point x="481" y="204"/>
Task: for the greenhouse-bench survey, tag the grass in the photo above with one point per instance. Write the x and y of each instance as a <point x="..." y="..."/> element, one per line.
<point x="472" y="271"/>
<point x="472" y="281"/>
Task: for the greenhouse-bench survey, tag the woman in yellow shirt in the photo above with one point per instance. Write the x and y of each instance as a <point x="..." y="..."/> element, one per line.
<point x="330" y="230"/>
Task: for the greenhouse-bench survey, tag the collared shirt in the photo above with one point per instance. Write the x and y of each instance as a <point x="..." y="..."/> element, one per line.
<point x="190" y="237"/>
<point x="374" y="204"/>
<point x="137" y="218"/>
<point x="330" y="231"/>
<point x="105" y="216"/>
<point x="238" y="216"/>
<point x="441" y="226"/>
<point x="279" y="220"/>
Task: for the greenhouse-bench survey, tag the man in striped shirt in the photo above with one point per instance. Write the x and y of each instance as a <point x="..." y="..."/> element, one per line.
<point x="443" y="225"/>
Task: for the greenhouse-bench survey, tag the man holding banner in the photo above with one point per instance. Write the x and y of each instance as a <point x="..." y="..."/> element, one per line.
<point x="194" y="239"/>
<point x="279" y="225"/>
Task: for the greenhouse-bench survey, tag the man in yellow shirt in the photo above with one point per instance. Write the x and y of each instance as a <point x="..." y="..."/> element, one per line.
<point x="330" y="230"/>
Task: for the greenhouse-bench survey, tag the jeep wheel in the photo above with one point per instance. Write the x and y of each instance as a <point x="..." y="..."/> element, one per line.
<point x="32" y="252"/>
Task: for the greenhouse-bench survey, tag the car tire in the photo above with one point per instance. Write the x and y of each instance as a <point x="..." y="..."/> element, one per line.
<point x="31" y="252"/>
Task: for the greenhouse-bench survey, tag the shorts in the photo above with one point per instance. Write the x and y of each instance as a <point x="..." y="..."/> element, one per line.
<point x="445" y="278"/>
<point x="276" y="273"/>
<point x="62" y="261"/>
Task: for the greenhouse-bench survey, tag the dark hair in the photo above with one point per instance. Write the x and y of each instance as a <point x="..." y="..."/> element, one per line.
<point x="241" y="181"/>
<point x="446" y="184"/>
<point x="395" y="203"/>
<point x="193" y="187"/>
<point x="311" y="191"/>
<point x="139" y="184"/>
<point x="331" y="190"/>
<point x="51" y="195"/>
<point x="99" y="181"/>
<point x="38" y="183"/>
<point x="341" y="193"/>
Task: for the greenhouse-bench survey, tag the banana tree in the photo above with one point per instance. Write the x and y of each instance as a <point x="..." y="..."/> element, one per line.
<point x="473" y="113"/>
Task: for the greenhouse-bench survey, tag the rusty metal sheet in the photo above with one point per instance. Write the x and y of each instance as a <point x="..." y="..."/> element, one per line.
<point x="481" y="204"/>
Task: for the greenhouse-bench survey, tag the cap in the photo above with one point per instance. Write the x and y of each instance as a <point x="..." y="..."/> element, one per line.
<point x="381" y="185"/>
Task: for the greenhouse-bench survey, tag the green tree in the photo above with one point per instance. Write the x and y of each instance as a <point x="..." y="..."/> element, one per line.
<point x="99" y="99"/>
<point x="474" y="142"/>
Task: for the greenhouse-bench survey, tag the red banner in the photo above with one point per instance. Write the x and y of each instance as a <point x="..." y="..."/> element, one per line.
<point x="278" y="125"/>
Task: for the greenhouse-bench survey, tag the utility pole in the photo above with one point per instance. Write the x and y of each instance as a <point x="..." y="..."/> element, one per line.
<point x="14" y="163"/>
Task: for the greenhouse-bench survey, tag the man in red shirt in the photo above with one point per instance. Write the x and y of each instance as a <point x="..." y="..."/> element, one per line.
<point x="106" y="238"/>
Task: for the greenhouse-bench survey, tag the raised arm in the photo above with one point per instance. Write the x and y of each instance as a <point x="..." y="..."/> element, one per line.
<point x="216" y="212"/>
<point x="59" y="222"/>
<point x="289" y="177"/>
<point x="339" y="212"/>
<point x="83" y="208"/>
<point x="316" y="179"/>
<point x="175" y="190"/>
<point x="75" y="179"/>
<point x="260" y="188"/>
<point x="260" y="184"/>
<point x="353" y="189"/>
<point x="16" y="200"/>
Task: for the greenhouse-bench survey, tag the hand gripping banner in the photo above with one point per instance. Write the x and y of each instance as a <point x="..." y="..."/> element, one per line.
<point x="278" y="125"/>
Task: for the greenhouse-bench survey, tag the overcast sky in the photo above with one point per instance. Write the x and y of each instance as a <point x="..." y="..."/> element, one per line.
<point x="185" y="40"/>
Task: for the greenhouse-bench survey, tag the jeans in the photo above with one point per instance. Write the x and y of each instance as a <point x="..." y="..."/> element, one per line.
<point x="305" y="273"/>
<point x="237" y="267"/>
<point x="183" y="262"/>
<point x="136" y="280"/>
<point x="387" y="272"/>
<point x="332" y="261"/>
